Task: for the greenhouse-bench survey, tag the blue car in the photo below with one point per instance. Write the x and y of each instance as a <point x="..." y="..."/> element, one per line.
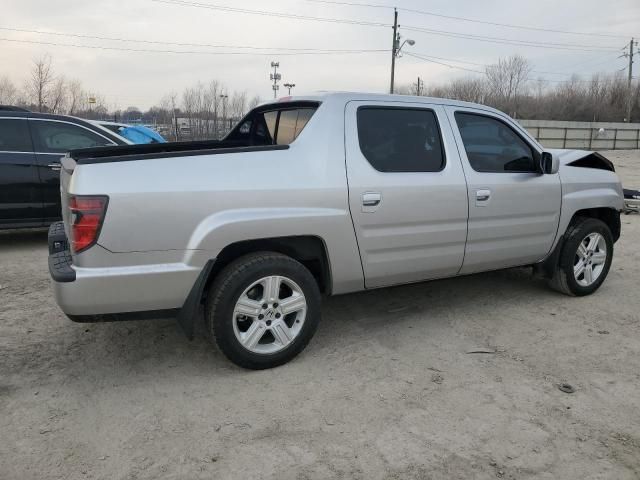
<point x="137" y="134"/>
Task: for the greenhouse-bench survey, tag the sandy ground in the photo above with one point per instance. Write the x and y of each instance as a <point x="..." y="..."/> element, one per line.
<point x="386" y="390"/>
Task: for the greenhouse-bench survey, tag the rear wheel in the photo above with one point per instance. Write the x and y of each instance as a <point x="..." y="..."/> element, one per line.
<point x="585" y="258"/>
<point x="263" y="309"/>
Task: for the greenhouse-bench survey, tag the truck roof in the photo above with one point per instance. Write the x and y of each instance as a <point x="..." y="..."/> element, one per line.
<point x="345" y="97"/>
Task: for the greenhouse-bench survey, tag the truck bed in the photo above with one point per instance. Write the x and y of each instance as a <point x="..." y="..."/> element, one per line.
<point x="125" y="153"/>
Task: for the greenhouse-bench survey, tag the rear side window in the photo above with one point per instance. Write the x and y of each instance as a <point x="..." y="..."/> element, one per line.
<point x="272" y="127"/>
<point x="14" y="136"/>
<point x="400" y="139"/>
<point x="493" y="146"/>
<point x="59" y="137"/>
<point x="291" y="124"/>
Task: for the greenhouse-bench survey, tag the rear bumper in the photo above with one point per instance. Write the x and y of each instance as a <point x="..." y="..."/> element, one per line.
<point x="116" y="293"/>
<point x="59" y="255"/>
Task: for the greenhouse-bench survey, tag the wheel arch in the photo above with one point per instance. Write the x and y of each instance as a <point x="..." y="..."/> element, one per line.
<point x="608" y="215"/>
<point x="309" y="250"/>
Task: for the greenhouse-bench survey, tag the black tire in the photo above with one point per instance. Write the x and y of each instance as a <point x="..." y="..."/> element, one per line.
<point x="232" y="281"/>
<point x="563" y="279"/>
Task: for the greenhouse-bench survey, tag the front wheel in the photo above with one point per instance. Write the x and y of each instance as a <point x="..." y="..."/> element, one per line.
<point x="263" y="309"/>
<point x="585" y="258"/>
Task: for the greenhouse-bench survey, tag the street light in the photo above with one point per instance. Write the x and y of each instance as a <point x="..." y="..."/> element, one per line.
<point x="397" y="49"/>
<point x="289" y="86"/>
<point x="409" y="41"/>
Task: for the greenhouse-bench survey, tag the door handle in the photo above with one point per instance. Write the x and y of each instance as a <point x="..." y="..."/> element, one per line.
<point x="54" y="166"/>
<point x="482" y="196"/>
<point x="371" y="199"/>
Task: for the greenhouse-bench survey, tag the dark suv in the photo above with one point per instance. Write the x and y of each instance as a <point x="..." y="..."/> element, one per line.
<point x="31" y="145"/>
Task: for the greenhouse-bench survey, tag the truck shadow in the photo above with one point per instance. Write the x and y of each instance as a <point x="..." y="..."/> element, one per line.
<point x="46" y="345"/>
<point x="158" y="350"/>
<point x="14" y="239"/>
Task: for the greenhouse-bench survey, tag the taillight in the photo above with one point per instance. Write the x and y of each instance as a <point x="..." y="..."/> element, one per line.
<point x="86" y="216"/>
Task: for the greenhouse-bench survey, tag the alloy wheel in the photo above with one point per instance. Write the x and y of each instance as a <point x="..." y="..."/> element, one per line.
<point x="269" y="314"/>
<point x="590" y="259"/>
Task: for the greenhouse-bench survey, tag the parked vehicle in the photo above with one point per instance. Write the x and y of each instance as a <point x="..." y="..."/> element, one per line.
<point x="31" y="145"/>
<point x="136" y="134"/>
<point x="631" y="200"/>
<point x="326" y="194"/>
<point x="12" y="108"/>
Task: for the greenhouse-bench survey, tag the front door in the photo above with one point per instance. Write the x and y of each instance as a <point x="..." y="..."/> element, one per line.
<point x="407" y="192"/>
<point x="20" y="193"/>
<point x="514" y="209"/>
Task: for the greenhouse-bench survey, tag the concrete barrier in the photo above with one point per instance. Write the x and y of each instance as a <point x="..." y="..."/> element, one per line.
<point x="584" y="135"/>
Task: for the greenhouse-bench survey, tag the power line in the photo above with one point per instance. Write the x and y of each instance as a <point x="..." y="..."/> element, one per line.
<point x="485" y="65"/>
<point x="530" y="43"/>
<point x="184" y="44"/>
<point x="464" y="19"/>
<point x="426" y="59"/>
<point x="225" y="8"/>
<point x="192" y="52"/>
<point x="420" y="57"/>
<point x="180" y="44"/>
<point x="590" y="60"/>
<point x="508" y="41"/>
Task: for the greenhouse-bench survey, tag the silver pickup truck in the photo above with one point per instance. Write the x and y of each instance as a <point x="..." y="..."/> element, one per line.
<point x="326" y="194"/>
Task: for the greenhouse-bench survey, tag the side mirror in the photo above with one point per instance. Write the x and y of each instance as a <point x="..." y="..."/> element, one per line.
<point x="549" y="163"/>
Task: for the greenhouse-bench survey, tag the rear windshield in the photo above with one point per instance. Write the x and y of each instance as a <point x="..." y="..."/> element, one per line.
<point x="273" y="125"/>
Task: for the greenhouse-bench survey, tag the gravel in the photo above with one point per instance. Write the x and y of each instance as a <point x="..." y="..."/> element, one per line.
<point x="388" y="389"/>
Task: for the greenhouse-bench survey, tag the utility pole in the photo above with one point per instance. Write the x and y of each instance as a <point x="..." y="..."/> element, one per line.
<point x="630" y="77"/>
<point x="275" y="76"/>
<point x="418" y="89"/>
<point x="394" y="47"/>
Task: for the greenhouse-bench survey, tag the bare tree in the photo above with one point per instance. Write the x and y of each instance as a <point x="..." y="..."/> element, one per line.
<point x="254" y="102"/>
<point x="8" y="91"/>
<point x="238" y="105"/>
<point x="506" y="80"/>
<point x="469" y="90"/>
<point x="58" y="95"/>
<point x="597" y="91"/>
<point x="76" y="96"/>
<point x="39" y="84"/>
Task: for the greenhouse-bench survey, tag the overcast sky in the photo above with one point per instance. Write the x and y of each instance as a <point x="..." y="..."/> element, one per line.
<point x="142" y="78"/>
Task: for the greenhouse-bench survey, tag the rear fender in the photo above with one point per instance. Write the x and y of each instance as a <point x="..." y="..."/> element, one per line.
<point x="333" y="226"/>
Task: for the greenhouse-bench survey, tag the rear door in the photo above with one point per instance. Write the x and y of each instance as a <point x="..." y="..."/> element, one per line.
<point x="407" y="192"/>
<point x="52" y="139"/>
<point x="20" y="194"/>
<point x="514" y="209"/>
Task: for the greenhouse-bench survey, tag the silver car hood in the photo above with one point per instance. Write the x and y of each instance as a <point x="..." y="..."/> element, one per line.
<point x="566" y="156"/>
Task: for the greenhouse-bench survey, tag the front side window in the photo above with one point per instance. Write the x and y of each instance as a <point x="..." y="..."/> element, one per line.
<point x="59" y="137"/>
<point x="14" y="136"/>
<point x="400" y="139"/>
<point x="493" y="146"/>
